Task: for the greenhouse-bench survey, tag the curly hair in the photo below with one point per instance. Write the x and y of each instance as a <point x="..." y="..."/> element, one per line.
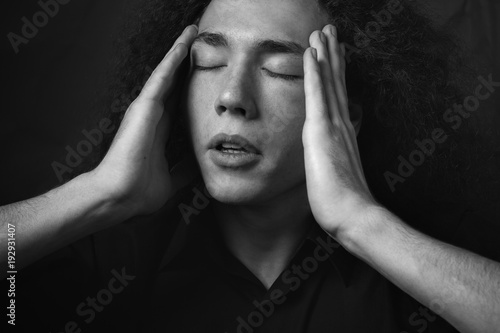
<point x="403" y="70"/>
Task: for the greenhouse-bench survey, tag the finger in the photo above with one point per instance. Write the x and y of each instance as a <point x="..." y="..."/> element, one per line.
<point x="162" y="78"/>
<point x="337" y="64"/>
<point x="343" y="64"/>
<point x="185" y="36"/>
<point x="319" y="42"/>
<point x="142" y="118"/>
<point x="315" y="95"/>
<point x="162" y="132"/>
<point x="337" y="68"/>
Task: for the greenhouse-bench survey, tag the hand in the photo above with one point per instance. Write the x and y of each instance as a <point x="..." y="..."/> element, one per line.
<point x="336" y="186"/>
<point x="134" y="174"/>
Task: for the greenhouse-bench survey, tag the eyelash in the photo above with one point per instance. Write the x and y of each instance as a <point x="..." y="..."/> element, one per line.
<point x="271" y="74"/>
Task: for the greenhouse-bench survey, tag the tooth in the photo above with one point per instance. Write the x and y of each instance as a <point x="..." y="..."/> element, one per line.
<point x="231" y="145"/>
<point x="233" y="151"/>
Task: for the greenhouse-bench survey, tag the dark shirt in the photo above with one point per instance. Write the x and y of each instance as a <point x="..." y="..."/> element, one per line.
<point x="171" y="272"/>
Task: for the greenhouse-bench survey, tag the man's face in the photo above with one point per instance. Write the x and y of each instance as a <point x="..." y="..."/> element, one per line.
<point x="243" y="84"/>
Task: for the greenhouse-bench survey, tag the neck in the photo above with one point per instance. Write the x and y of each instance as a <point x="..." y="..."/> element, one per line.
<point x="264" y="237"/>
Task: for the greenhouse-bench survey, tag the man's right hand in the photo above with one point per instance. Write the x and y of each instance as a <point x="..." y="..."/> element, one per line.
<point x="132" y="179"/>
<point x="134" y="172"/>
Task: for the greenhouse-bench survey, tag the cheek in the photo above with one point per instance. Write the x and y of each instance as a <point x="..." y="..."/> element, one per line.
<point x="288" y="119"/>
<point x="290" y="116"/>
<point x="287" y="154"/>
<point x="289" y="101"/>
<point x="289" y="144"/>
<point x="198" y="108"/>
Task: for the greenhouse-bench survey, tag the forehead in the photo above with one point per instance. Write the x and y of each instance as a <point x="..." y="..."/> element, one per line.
<point x="246" y="21"/>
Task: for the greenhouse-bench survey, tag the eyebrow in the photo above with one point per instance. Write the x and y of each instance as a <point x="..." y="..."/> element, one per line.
<point x="216" y="39"/>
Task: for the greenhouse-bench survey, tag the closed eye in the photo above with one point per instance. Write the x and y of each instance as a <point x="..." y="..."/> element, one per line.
<point x="283" y="76"/>
<point x="201" y="68"/>
<point x="271" y="74"/>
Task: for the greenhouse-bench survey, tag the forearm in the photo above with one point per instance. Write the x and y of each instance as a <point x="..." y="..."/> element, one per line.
<point x="462" y="287"/>
<point x="55" y="219"/>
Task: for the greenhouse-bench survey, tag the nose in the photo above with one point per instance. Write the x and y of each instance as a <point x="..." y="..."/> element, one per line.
<point x="237" y="95"/>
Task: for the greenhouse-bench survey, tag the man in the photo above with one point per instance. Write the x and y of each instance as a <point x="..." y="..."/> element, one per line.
<point x="249" y="65"/>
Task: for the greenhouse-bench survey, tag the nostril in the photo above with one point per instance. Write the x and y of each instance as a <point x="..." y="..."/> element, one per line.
<point x="242" y="111"/>
<point x="221" y="109"/>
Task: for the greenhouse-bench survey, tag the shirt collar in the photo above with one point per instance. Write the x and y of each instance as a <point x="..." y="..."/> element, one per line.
<point x="342" y="261"/>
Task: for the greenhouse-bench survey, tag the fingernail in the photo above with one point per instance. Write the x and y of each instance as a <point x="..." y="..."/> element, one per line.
<point x="314" y="52"/>
<point x="333" y="30"/>
<point x="322" y="37"/>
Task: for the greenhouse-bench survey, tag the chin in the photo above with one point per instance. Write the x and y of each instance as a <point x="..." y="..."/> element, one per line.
<point x="231" y="189"/>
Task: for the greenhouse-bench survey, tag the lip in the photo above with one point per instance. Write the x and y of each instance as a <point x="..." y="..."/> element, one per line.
<point x="232" y="139"/>
<point x="227" y="158"/>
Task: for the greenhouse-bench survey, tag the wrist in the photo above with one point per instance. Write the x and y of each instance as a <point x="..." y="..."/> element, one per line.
<point x="100" y="206"/>
<point x="367" y="225"/>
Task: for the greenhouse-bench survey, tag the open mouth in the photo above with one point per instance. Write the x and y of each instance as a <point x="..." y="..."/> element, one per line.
<point x="231" y="148"/>
<point x="233" y="151"/>
<point x="232" y="144"/>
